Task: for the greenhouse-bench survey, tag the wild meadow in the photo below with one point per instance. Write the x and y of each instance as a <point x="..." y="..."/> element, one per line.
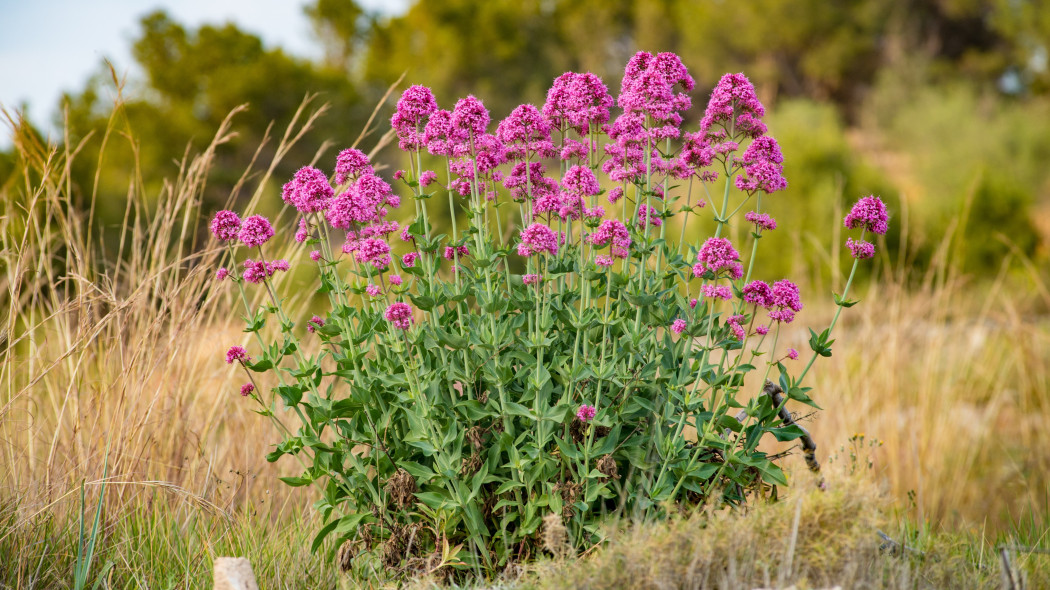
<point x="133" y="454"/>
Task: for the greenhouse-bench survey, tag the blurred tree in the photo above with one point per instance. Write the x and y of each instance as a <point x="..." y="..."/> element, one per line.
<point x="193" y="79"/>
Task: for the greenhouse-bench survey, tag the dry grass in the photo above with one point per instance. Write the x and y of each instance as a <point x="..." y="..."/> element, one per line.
<point x="121" y="363"/>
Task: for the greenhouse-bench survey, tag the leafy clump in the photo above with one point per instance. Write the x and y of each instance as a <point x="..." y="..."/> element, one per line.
<point x="561" y="358"/>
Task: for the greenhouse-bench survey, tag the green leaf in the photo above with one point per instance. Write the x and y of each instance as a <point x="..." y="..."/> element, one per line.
<point x="296" y="482"/>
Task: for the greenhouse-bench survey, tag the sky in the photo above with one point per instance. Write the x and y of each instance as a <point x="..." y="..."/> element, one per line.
<point x="48" y="47"/>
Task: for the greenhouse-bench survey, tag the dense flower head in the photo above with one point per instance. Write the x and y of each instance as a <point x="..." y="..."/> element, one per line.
<point x="577" y="101"/>
<point x="612" y="231"/>
<point x="351" y="163"/>
<point x="460" y="251"/>
<point x="373" y="290"/>
<point x="399" y="314"/>
<point x="365" y="202"/>
<point x="247" y="389"/>
<point x="525" y="132"/>
<point x="586" y="413"/>
<point x="698" y="154"/>
<point x="427" y="177"/>
<point x="303" y="232"/>
<point x="650" y="215"/>
<point x="222" y="273"/>
<point x="734" y="324"/>
<point x="649" y="83"/>
<point x="257" y="271"/>
<point x="763" y="167"/>
<point x="717" y="255"/>
<point x="761" y="220"/>
<point x="225" y="226"/>
<point x="314" y="323"/>
<point x="678" y="326"/>
<point x="436" y="134"/>
<point x="792" y="354"/>
<point x="626" y="154"/>
<point x="734" y="94"/>
<point x="374" y="251"/>
<point x="603" y="260"/>
<point x="237" y="354"/>
<point x="308" y="191"/>
<point x="414" y="107"/>
<point x="469" y="119"/>
<point x="761" y="330"/>
<point x="531" y="279"/>
<point x="396" y="280"/>
<point x="615" y="195"/>
<point x="529" y="182"/>
<point x="570" y="148"/>
<point x="693" y="302"/>
<point x="869" y="213"/>
<point x="713" y="291"/>
<point x="758" y="293"/>
<point x="860" y="249"/>
<point x="537" y="239"/>
<point x="409" y="260"/>
<point x="255" y="231"/>
<point x="315" y="255"/>
<point x="580" y="180"/>
<point x="784" y="296"/>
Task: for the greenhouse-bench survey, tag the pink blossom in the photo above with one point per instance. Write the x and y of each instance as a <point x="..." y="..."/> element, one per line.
<point x="308" y="191"/>
<point x="373" y="290"/>
<point x="314" y="323"/>
<point x="615" y="195"/>
<point x="255" y="231"/>
<point x="734" y="94"/>
<point x="374" y="251"/>
<point x="792" y="354"/>
<point x="225" y="226"/>
<point x="860" y="249"/>
<point x="315" y="255"/>
<point x="469" y="119"/>
<point x="247" y="389"/>
<point x="612" y="231"/>
<point x="303" y="232"/>
<point x="763" y="167"/>
<point x="577" y="101"/>
<point x="413" y="109"/>
<point x="586" y="413"/>
<point x="351" y="163"/>
<point x="530" y="279"/>
<point x="692" y="303"/>
<point x="451" y="253"/>
<point x="717" y="291"/>
<point x="734" y="324"/>
<point x="399" y="314"/>
<point x="757" y="293"/>
<point x="537" y="239"/>
<point x="678" y="326"/>
<point x="409" y="260"/>
<point x="237" y="354"/>
<point x="762" y="330"/>
<point x="526" y="133"/>
<point x="650" y="214"/>
<point x="222" y="273"/>
<point x="761" y="220"/>
<point x="716" y="255"/>
<point x="603" y="260"/>
<point x="427" y="177"/>
<point x="869" y="213"/>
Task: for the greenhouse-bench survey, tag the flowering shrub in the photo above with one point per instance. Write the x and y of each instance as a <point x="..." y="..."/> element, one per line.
<point x="578" y="362"/>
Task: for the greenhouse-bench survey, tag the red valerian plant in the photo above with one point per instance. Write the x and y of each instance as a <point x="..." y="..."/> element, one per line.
<point x="464" y="387"/>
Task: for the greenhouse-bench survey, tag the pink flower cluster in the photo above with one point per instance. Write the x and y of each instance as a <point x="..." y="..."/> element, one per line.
<point x="257" y="271"/>
<point x="577" y="101"/>
<point x="869" y="213"/>
<point x="350" y="164"/>
<point x="717" y="255"/>
<point x="538" y="239"/>
<point x="399" y="315"/>
<point x="237" y="354"/>
<point x="860" y="249"/>
<point x="612" y="231"/>
<point x="255" y="231"/>
<point x="414" y="108"/>
<point x="782" y="299"/>
<point x="648" y="87"/>
<point x="763" y="167"/>
<point x="225" y="226"/>
<point x="586" y="413"/>
<point x="761" y="220"/>
<point x="308" y="191"/>
<point x="314" y="323"/>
